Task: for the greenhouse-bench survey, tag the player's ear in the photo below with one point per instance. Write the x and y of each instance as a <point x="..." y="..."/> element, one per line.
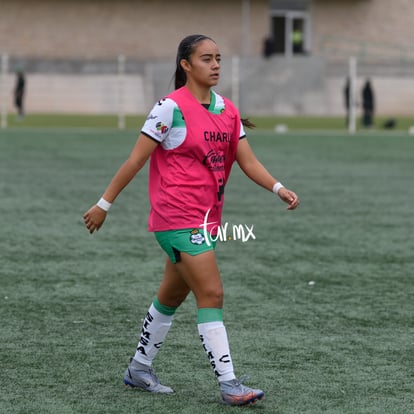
<point x="185" y="64"/>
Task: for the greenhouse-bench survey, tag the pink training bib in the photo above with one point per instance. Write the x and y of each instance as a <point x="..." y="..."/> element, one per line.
<point x="186" y="184"/>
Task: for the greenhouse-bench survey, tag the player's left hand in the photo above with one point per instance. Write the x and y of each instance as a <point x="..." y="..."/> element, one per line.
<point x="289" y="197"/>
<point x="94" y="218"/>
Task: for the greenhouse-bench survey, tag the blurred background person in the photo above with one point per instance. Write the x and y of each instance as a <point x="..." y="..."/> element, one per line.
<point x="368" y="105"/>
<point x="347" y="100"/>
<point x="268" y="47"/>
<point x="19" y="91"/>
<point x="297" y="40"/>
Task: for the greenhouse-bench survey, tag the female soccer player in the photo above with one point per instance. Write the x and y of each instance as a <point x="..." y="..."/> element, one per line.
<point x="193" y="137"/>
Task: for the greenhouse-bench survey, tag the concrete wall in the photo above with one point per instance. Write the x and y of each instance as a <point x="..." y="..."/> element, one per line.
<point x="151" y="29"/>
<point x="148" y="29"/>
<point x="73" y="42"/>
<point x="277" y="86"/>
<point x="375" y="28"/>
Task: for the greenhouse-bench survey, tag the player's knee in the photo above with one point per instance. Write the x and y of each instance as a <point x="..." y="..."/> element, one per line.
<point x="171" y="297"/>
<point x="212" y="297"/>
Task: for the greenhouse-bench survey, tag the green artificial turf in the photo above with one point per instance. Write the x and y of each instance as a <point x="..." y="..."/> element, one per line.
<point x="71" y="304"/>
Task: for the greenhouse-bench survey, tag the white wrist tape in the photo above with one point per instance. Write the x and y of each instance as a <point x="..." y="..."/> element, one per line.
<point x="277" y="187"/>
<point x="103" y="204"/>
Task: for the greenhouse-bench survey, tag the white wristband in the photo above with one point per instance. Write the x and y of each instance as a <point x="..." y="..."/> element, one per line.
<point x="103" y="204"/>
<point x="277" y="187"/>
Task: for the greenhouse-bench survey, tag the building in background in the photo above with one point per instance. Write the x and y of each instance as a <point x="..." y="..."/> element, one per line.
<point x="72" y="45"/>
<point x="151" y="29"/>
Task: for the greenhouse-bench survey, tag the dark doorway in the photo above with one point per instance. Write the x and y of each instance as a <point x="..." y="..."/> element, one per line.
<point x="279" y="34"/>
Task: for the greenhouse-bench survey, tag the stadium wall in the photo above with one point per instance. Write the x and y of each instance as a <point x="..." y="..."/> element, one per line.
<point x="97" y="29"/>
<point x="303" y="85"/>
<point x="69" y="50"/>
<point x="367" y="28"/>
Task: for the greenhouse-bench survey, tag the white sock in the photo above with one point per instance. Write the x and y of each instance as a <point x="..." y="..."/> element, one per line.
<point x="213" y="336"/>
<point x="154" y="330"/>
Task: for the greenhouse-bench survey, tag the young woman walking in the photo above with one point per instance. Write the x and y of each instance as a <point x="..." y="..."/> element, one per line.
<point x="193" y="136"/>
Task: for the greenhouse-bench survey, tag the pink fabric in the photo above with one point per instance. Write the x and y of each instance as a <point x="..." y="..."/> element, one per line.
<point x="188" y="182"/>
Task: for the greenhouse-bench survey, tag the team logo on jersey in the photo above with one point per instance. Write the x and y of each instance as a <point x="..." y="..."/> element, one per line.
<point x="214" y="160"/>
<point x="161" y="127"/>
<point x="196" y="237"/>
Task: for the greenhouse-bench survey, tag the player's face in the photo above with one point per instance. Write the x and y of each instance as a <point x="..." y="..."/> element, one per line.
<point x="204" y="64"/>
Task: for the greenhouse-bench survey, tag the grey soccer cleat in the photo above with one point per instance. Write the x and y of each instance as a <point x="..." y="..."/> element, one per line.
<point x="142" y="376"/>
<point x="235" y="393"/>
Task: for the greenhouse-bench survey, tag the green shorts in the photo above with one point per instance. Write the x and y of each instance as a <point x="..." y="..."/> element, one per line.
<point x="190" y="241"/>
